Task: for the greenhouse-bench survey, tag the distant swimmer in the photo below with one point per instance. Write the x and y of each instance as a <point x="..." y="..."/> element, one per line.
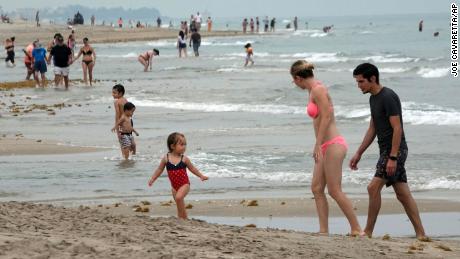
<point x="327" y="29"/>
<point x="88" y="61"/>
<point x="420" y="26"/>
<point x="436" y="34"/>
<point x="147" y="57"/>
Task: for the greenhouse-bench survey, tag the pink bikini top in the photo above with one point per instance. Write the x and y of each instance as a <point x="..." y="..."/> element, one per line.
<point x="312" y="108"/>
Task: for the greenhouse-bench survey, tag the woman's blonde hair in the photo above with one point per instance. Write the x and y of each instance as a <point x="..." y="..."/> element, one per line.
<point x="302" y="68"/>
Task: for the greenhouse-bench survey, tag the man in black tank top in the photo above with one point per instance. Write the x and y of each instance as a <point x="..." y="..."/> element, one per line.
<point x="387" y="124"/>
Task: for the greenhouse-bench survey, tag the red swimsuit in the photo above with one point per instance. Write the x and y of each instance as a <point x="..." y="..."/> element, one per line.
<point x="177" y="173"/>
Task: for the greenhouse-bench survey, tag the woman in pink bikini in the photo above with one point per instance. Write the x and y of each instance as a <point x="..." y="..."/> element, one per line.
<point x="329" y="151"/>
<point x="177" y="164"/>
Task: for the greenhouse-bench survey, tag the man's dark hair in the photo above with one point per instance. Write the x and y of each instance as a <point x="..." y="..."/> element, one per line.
<point x="367" y="70"/>
<point x="156" y="51"/>
<point x="248" y="45"/>
<point x="128" y="106"/>
<point x="119" y="88"/>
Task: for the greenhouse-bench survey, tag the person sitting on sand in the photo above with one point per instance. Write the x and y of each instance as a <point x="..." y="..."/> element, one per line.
<point x="249" y="54"/>
<point x="329" y="151"/>
<point x="146" y="58"/>
<point x="176" y="164"/>
<point x="88" y="61"/>
<point x="126" y="126"/>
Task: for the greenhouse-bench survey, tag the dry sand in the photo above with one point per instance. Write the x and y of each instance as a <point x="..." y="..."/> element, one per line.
<point x="23" y="146"/>
<point x="45" y="231"/>
<point x="26" y="33"/>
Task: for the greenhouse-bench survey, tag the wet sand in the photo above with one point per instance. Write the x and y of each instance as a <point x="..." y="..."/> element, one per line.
<point x="22" y="146"/>
<point x="29" y="231"/>
<point x="276" y="207"/>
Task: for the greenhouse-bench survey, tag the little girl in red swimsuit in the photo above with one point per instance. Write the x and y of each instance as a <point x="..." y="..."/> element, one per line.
<point x="176" y="164"/>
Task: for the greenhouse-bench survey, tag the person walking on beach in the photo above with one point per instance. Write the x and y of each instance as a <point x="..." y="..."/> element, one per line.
<point x="257" y="24"/>
<point x="62" y="58"/>
<point x="39" y="57"/>
<point x="209" y="24"/>
<point x="387" y="124"/>
<point x="120" y="22"/>
<point x="176" y="164"/>
<point x="146" y="58"/>
<point x="9" y="47"/>
<point x="249" y="54"/>
<point x="28" y="60"/>
<point x="245" y="25"/>
<point x="295" y="23"/>
<point x="159" y="22"/>
<point x="88" y="61"/>
<point x="195" y="41"/>
<point x="198" y="20"/>
<point x="93" y="20"/>
<point x="266" y="21"/>
<point x="37" y="18"/>
<point x="329" y="151"/>
<point x="182" y="44"/>
<point x="126" y="127"/>
<point x="272" y="24"/>
<point x="251" y="25"/>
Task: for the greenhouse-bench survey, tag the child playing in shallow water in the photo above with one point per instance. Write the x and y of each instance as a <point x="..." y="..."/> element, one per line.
<point x="118" y="92"/>
<point x="125" y="124"/>
<point x="176" y="164"/>
<point x="249" y="54"/>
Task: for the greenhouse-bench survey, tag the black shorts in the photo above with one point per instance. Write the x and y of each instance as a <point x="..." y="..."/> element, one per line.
<point x="399" y="175"/>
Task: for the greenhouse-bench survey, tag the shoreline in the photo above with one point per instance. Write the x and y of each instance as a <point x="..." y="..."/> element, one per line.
<point x="21" y="146"/>
<point x="269" y="207"/>
<point x="30" y="230"/>
<point x="26" y="33"/>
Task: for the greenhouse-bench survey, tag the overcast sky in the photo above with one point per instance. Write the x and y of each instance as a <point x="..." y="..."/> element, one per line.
<point x="238" y="8"/>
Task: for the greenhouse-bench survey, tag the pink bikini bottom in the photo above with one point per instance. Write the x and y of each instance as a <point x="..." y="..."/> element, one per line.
<point x="336" y="140"/>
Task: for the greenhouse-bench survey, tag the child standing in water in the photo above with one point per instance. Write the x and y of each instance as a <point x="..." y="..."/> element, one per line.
<point x="118" y="92"/>
<point x="125" y="124"/>
<point x="249" y="54"/>
<point x="176" y="164"/>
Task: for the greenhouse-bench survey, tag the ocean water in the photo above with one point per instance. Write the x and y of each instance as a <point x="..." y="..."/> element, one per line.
<point x="246" y="127"/>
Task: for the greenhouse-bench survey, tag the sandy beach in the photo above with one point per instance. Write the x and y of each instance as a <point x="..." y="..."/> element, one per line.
<point x="66" y="192"/>
<point x="29" y="230"/>
<point x="26" y="33"/>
